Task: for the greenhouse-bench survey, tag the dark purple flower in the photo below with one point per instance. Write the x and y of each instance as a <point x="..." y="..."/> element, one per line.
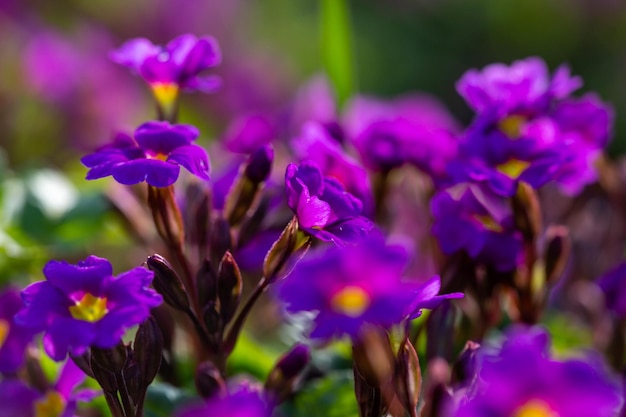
<point x="524" y="115"/>
<point x="174" y="66"/>
<point x="84" y="305"/>
<point x="354" y="286"/>
<point x="13" y="338"/>
<point x="249" y="132"/>
<point x="60" y="400"/>
<point x="154" y="155"/>
<point x="470" y="217"/>
<point x="613" y="285"/>
<point x="242" y="403"/>
<point x="323" y="207"/>
<point x="317" y="145"/>
<point x="522" y="380"/>
<point x="414" y="129"/>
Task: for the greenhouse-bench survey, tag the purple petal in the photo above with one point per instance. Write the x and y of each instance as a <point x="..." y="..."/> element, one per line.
<point x="71" y="377"/>
<point x="193" y="158"/>
<point x="163" y="138"/>
<point x="86" y="276"/>
<point x="312" y="211"/>
<point x="68" y="335"/>
<point x="133" y="53"/>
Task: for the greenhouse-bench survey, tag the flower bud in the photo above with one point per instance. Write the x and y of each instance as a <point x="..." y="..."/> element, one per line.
<point x="245" y="191"/>
<point x="209" y="382"/>
<point x="557" y="252"/>
<point x="221" y="239"/>
<point x="229" y="287"/>
<point x="167" y="283"/>
<point x="407" y="376"/>
<point x="197" y="214"/>
<point x="280" y="381"/>
<point x="206" y="282"/>
<point x="278" y="261"/>
<point x="526" y="212"/>
<point x="464" y="369"/>
<point x="148" y="349"/>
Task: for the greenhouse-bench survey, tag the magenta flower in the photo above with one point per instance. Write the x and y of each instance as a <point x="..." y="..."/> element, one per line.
<point x="354" y="286"/>
<point x="59" y="400"/>
<point x="471" y="218"/>
<point x="528" y="128"/>
<point x="13" y="338"/>
<point x="242" y="403"/>
<point x="172" y="67"/>
<point x="84" y="305"/>
<point x="522" y="380"/>
<point x="414" y="129"/>
<point x="154" y="155"/>
<point x="323" y="207"/>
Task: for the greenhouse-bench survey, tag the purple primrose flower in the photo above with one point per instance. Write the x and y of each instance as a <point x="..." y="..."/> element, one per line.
<point x="613" y="285"/>
<point x="472" y="218"/>
<point x="528" y="128"/>
<point x="84" y="305"/>
<point x="13" y="338"/>
<point x="59" y="400"/>
<point x="172" y="67"/>
<point x="154" y="155"/>
<point x="242" y="403"/>
<point x="522" y="380"/>
<point x="323" y="207"/>
<point x="353" y="286"/>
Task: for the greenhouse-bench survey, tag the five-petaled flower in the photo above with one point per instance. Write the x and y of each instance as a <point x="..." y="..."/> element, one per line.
<point x="84" y="305"/>
<point x="172" y="67"/>
<point x="323" y="207"/>
<point x="154" y="155"/>
<point x="354" y="286"/>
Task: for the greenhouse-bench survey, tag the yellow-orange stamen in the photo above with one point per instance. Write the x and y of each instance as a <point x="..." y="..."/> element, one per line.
<point x="351" y="301"/>
<point x="535" y="408"/>
<point x="488" y="222"/>
<point x="512" y="126"/>
<point x="513" y="168"/>
<point x="89" y="308"/>
<point x="51" y="405"/>
<point x="4" y="331"/>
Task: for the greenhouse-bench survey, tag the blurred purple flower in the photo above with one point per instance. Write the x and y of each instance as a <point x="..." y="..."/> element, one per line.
<point x="83" y="305"/>
<point x="353" y="286"/>
<point x="470" y="217"/>
<point x="249" y="132"/>
<point x="317" y="145"/>
<point x="13" y="338"/>
<point x="154" y="155"/>
<point x="415" y="129"/>
<point x="19" y="400"/>
<point x="524" y="115"/>
<point x="522" y="380"/>
<point x="174" y="66"/>
<point x="241" y="403"/>
<point x="323" y="207"/>
<point x="613" y="285"/>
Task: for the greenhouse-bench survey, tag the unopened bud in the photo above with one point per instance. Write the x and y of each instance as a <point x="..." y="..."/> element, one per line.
<point x="557" y="252"/>
<point x="206" y="282"/>
<point x="213" y="323"/>
<point x="280" y="381"/>
<point x="527" y="212"/>
<point x="291" y="243"/>
<point x="209" y="382"/>
<point x="197" y="214"/>
<point x="148" y="349"/>
<point x="221" y="239"/>
<point x="244" y="192"/>
<point x="167" y="283"/>
<point x="408" y="376"/>
<point x="466" y="364"/>
<point x="229" y="286"/>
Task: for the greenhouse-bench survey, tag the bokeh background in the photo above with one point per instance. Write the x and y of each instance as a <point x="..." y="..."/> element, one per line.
<point x="60" y="96"/>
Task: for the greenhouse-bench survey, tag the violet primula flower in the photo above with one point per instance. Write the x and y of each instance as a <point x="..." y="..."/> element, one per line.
<point x="13" y="338"/>
<point x="174" y="66"/>
<point x="414" y="129"/>
<point x="324" y="208"/>
<point x="154" y="155"/>
<point x="60" y="400"/>
<point x="526" y="122"/>
<point x="613" y="285"/>
<point x="84" y="305"/>
<point x="522" y="380"/>
<point x="242" y="403"/>
<point x="472" y="218"/>
<point x="354" y="286"/>
<point x="317" y="145"/>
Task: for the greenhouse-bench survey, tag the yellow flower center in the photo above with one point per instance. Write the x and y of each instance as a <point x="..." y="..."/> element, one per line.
<point x="535" y="408"/>
<point x="512" y="126"/>
<point x="159" y="156"/>
<point x="89" y="308"/>
<point x="165" y="93"/>
<point x="488" y="222"/>
<point x="52" y="405"/>
<point x="4" y="331"/>
<point x="513" y="168"/>
<point x="351" y="301"/>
